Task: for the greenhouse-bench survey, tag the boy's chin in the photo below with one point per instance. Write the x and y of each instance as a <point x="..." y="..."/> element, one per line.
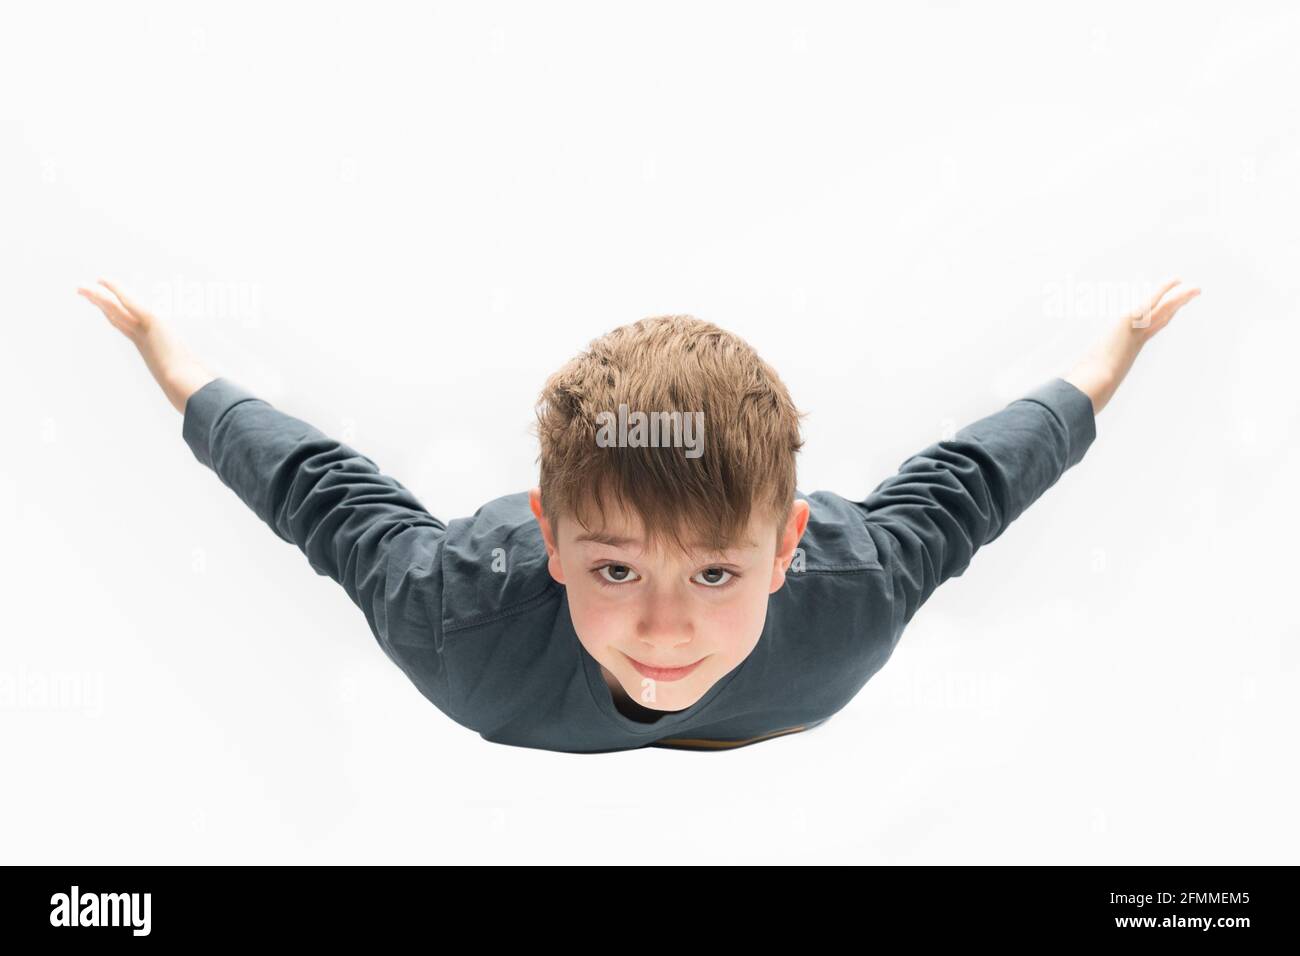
<point x="678" y="698"/>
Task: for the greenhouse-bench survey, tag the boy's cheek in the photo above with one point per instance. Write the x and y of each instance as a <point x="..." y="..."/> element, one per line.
<point x="596" y="625"/>
<point x="747" y="624"/>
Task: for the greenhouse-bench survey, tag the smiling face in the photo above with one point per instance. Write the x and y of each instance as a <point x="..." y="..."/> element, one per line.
<point x="663" y="625"/>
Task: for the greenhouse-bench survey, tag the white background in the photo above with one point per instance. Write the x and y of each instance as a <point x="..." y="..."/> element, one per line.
<point x="395" y="220"/>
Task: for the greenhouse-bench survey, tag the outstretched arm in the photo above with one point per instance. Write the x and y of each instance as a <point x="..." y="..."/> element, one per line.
<point x="360" y="527"/>
<point x="355" y="524"/>
<point x="955" y="496"/>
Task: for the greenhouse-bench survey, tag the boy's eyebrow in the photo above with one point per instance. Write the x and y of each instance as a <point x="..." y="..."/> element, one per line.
<point x="613" y="540"/>
<point x="619" y="541"/>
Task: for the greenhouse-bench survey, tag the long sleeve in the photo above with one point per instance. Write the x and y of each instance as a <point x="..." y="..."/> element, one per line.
<point x="955" y="496"/>
<point x="353" y="523"/>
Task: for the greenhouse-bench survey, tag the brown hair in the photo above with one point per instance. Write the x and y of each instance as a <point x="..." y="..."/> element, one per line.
<point x="671" y="363"/>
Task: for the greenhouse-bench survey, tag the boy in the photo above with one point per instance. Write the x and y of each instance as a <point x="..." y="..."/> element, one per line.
<point x="666" y="585"/>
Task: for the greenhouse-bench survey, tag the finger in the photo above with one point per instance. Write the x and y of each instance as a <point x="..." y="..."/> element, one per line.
<point x="1177" y="303"/>
<point x="1155" y="300"/>
<point x="130" y="305"/>
<point x="1165" y="314"/>
<point x="112" y="310"/>
<point x="1149" y="313"/>
<point x="98" y="298"/>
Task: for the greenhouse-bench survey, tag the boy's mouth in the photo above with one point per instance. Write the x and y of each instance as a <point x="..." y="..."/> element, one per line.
<point x="662" y="673"/>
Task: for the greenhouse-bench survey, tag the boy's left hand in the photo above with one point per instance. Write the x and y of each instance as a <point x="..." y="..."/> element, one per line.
<point x="178" y="373"/>
<point x="1145" y="322"/>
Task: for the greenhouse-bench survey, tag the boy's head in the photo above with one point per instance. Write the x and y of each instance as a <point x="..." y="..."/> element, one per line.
<point x="668" y="531"/>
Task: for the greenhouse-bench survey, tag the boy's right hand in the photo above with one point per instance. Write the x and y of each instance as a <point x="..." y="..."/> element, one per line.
<point x="178" y="373"/>
<point x="1100" y="373"/>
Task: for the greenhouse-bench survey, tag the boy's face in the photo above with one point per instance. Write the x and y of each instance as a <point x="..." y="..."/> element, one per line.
<point x="666" y="626"/>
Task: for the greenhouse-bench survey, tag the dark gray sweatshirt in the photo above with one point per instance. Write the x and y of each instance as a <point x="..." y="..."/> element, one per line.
<point x="495" y="650"/>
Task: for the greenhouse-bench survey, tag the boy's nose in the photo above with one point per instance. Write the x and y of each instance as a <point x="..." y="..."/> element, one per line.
<point x="665" y="625"/>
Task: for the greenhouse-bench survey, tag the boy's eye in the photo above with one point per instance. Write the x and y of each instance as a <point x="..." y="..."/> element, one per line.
<point x="612" y="575"/>
<point x="621" y="572"/>
<point x="711" y="580"/>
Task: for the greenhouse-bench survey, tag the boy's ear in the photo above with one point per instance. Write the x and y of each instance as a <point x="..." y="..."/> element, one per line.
<point x="535" y="503"/>
<point x="548" y="535"/>
<point x="794" y="529"/>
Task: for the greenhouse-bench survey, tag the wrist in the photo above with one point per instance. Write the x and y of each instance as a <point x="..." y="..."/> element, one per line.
<point x="1126" y="340"/>
<point x="178" y="373"/>
<point x="1099" y="374"/>
<point x="1092" y="377"/>
<point x="183" y="380"/>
